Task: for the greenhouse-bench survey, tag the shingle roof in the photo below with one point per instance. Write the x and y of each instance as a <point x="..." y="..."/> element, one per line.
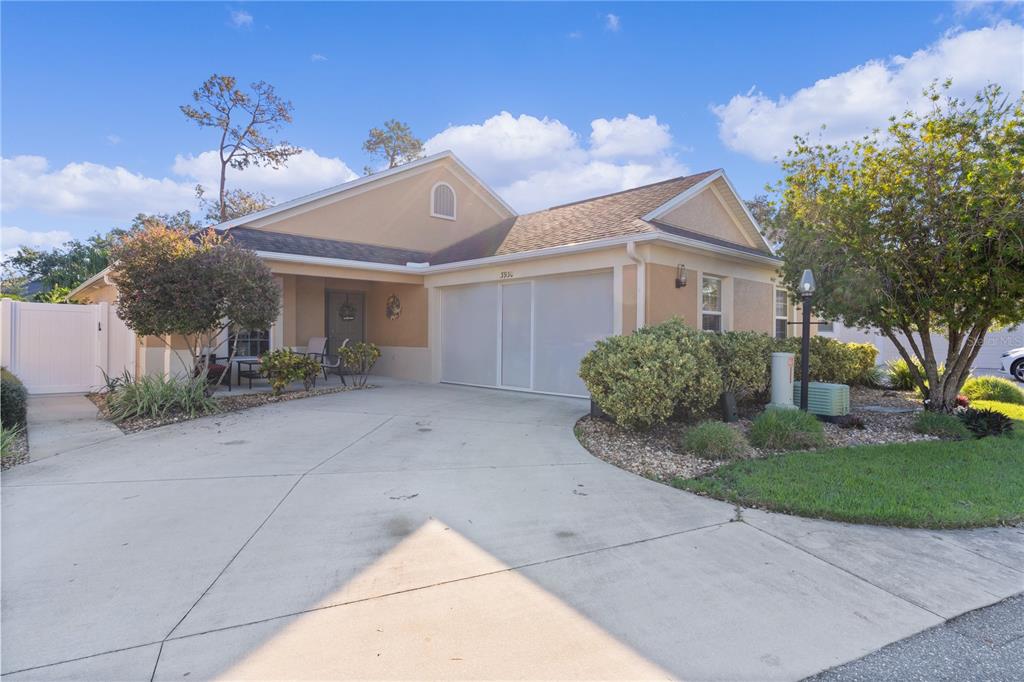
<point x="278" y="242"/>
<point x="611" y="215"/>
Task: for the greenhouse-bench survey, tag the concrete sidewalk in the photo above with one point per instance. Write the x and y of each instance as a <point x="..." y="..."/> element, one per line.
<point x="441" y="532"/>
<point x="63" y="423"/>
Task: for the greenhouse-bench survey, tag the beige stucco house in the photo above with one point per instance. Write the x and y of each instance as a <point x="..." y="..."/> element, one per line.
<point x="431" y="265"/>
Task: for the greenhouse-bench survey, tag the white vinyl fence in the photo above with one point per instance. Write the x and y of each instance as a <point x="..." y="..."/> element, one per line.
<point x="63" y="348"/>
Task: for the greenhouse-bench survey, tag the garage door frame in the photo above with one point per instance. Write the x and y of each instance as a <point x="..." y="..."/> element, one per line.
<point x="501" y="286"/>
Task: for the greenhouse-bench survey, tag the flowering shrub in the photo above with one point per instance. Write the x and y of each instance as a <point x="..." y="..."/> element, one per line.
<point x="283" y="366"/>
<point x="359" y="358"/>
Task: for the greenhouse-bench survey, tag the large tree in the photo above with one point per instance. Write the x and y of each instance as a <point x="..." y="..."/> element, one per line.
<point x="170" y="284"/>
<point x="393" y="144"/>
<point x="917" y="229"/>
<point x="245" y="120"/>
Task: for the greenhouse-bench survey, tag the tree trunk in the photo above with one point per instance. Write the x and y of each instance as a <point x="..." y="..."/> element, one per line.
<point x="223" y="183"/>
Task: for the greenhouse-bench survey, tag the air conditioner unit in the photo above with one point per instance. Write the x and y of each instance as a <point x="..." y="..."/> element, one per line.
<point x="827" y="400"/>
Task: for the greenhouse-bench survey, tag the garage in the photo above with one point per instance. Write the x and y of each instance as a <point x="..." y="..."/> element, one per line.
<point x="527" y="335"/>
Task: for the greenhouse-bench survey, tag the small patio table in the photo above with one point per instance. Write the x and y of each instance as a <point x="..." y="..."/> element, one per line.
<point x="249" y="373"/>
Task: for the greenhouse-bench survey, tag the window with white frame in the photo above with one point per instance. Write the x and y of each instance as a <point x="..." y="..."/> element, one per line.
<point x="781" y="314"/>
<point x="252" y="343"/>
<point x="711" y="304"/>
<point x="442" y="201"/>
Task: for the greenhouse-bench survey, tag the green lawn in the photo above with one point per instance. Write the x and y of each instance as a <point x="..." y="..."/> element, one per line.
<point x="1009" y="409"/>
<point x="927" y="485"/>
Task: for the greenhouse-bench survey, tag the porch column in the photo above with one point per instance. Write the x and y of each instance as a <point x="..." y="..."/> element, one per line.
<point x="277" y="329"/>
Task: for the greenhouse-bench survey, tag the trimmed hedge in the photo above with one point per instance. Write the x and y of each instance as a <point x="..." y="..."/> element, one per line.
<point x="13" y="400"/>
<point x="744" y="360"/>
<point x="834" y="361"/>
<point x="993" y="388"/>
<point x="648" y="377"/>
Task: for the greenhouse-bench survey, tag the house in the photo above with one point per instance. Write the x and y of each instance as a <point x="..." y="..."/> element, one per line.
<point x="427" y="262"/>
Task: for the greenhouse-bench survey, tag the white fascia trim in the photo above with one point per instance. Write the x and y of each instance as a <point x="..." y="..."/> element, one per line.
<point x="421" y="269"/>
<point x="338" y="262"/>
<point x="696" y="189"/>
<point x="750" y="217"/>
<point x="682" y="197"/>
<point x="92" y="280"/>
<point x="358" y="182"/>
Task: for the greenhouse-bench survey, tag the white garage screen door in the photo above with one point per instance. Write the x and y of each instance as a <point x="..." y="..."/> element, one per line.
<point x="526" y="335"/>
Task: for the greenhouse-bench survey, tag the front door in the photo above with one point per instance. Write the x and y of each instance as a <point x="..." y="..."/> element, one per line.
<point x="345" y="318"/>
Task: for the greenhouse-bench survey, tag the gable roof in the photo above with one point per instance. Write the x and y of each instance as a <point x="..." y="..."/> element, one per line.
<point x="340" y="190"/>
<point x="620" y="214"/>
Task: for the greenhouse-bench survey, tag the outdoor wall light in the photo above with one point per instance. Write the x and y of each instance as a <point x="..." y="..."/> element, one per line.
<point x="680" y="276"/>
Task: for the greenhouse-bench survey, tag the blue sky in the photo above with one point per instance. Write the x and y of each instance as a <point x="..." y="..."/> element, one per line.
<point x="598" y="97"/>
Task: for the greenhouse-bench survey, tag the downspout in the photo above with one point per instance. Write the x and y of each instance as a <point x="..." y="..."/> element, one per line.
<point x="641" y="284"/>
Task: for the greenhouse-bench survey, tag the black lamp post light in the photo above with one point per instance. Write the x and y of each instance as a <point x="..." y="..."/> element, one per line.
<point x="806" y="292"/>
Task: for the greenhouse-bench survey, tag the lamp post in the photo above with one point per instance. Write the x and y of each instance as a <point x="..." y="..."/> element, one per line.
<point x="806" y="291"/>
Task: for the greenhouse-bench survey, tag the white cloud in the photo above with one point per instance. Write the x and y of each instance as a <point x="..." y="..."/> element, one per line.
<point x="241" y="19"/>
<point x="114" y="139"/>
<point x="575" y="35"/>
<point x="612" y="22"/>
<point x="85" y="188"/>
<point x="116" y="194"/>
<point x="305" y="173"/>
<point x="317" y="57"/>
<point x="11" y="238"/>
<point x="629" y="136"/>
<point x="856" y="101"/>
<point x="535" y="162"/>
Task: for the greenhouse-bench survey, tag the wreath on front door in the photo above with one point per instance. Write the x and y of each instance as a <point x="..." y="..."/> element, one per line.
<point x="393" y="307"/>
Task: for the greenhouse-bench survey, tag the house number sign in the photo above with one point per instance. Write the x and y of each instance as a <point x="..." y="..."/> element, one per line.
<point x="505" y="274"/>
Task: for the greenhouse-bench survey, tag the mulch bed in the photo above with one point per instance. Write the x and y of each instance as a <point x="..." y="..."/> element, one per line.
<point x="19" y="451"/>
<point x="658" y="455"/>
<point x="228" y="403"/>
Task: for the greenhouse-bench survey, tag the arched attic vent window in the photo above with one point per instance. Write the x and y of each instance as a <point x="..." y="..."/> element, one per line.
<point x="442" y="201"/>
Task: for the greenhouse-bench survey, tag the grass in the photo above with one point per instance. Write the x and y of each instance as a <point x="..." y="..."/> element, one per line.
<point x="1009" y="409"/>
<point x="942" y="425"/>
<point x="936" y="484"/>
<point x="777" y="429"/>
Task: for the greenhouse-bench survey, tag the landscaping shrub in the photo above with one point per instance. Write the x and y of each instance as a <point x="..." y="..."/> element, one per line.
<point x="743" y="360"/>
<point x="283" y="366"/>
<point x="836" y="362"/>
<point x="781" y="429"/>
<point x="941" y="425"/>
<point x="13" y="400"/>
<point x="154" y="397"/>
<point x="899" y="375"/>
<point x="359" y="358"/>
<point x="714" y="440"/>
<point x="647" y="377"/>
<point x="993" y="388"/>
<point x="986" y="422"/>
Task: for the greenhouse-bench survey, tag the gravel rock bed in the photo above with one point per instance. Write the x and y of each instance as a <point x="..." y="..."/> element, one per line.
<point x="656" y="454"/>
<point x="19" y="451"/>
<point x="230" y="403"/>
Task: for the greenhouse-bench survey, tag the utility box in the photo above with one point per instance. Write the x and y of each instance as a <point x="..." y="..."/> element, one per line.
<point x="827" y="400"/>
<point x="782" y="380"/>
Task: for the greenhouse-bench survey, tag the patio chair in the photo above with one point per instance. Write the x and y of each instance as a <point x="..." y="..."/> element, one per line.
<point x="332" y="364"/>
<point x="317" y="348"/>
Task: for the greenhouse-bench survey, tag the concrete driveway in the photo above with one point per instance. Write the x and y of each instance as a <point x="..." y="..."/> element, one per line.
<point x="440" y="532"/>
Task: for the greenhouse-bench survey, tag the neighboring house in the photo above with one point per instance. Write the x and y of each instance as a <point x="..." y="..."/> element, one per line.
<point x="431" y="265"/>
<point x="988" y="361"/>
